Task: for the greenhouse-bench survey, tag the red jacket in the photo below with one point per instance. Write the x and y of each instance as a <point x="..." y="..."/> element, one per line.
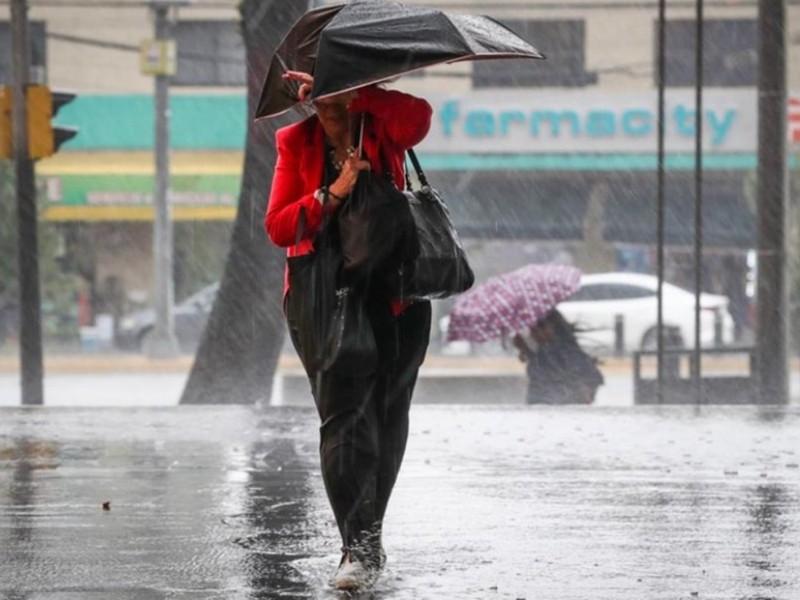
<point x="399" y="122"/>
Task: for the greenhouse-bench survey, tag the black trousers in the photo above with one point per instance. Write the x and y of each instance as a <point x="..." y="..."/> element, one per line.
<point x="364" y="422"/>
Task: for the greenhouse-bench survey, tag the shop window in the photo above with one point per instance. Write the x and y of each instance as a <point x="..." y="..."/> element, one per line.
<point x="563" y="42"/>
<point x="38" y="45"/>
<point x="209" y="53"/>
<point x="730" y="52"/>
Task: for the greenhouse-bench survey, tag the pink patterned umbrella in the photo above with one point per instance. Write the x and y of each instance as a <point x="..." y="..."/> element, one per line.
<point x="512" y="302"/>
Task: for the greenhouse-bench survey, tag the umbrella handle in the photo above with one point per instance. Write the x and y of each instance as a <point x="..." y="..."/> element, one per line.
<point x="360" y="136"/>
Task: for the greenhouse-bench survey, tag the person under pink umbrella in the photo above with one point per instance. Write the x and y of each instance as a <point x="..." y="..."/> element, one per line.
<point x="559" y="370"/>
<point x="521" y="305"/>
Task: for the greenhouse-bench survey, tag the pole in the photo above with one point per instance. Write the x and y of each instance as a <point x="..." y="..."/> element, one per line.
<point x="697" y="375"/>
<point x="32" y="371"/>
<point x="772" y="315"/>
<point x="660" y="212"/>
<point x="162" y="342"/>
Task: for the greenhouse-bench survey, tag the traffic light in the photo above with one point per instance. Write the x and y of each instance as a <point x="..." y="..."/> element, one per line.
<point x="5" y="122"/>
<point x="44" y="138"/>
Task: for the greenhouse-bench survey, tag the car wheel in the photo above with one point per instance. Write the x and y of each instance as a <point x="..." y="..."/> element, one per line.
<point x="672" y="338"/>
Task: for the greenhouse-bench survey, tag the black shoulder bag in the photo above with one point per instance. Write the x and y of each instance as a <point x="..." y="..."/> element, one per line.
<point x="441" y="268"/>
<point x="376" y="227"/>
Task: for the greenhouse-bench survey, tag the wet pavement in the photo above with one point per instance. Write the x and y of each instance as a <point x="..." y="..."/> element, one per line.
<point x="493" y="502"/>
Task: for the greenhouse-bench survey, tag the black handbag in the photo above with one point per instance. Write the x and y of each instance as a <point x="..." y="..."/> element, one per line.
<point x="330" y="325"/>
<point x="441" y="268"/>
<point x="376" y="227"/>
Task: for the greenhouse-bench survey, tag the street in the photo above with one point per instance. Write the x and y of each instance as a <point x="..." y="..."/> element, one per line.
<point x="498" y="502"/>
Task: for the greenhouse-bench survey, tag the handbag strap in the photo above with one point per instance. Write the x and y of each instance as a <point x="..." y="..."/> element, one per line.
<point x="301" y="225"/>
<point x="423" y="180"/>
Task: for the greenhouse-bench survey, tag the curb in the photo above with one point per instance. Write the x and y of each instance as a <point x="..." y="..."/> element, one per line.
<point x="288" y="364"/>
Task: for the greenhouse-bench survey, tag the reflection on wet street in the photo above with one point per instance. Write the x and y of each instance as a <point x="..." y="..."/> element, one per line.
<point x="493" y="502"/>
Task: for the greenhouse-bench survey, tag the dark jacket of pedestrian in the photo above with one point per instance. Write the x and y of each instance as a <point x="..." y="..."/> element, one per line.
<point x="559" y="370"/>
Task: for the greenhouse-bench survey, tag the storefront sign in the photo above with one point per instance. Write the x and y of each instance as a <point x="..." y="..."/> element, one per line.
<point x="589" y="122"/>
<point x="794" y="120"/>
<point x="130" y="197"/>
<point x="157" y="57"/>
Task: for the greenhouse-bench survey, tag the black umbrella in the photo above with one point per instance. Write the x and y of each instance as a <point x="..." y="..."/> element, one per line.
<point x="297" y="52"/>
<point x="369" y="41"/>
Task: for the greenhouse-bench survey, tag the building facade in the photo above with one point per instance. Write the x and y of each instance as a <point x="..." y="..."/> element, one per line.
<point x="538" y="159"/>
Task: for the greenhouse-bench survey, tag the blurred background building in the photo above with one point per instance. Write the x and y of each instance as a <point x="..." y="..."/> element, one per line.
<point x="540" y="160"/>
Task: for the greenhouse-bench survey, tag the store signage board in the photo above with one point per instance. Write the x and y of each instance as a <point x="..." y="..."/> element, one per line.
<point x="589" y="122"/>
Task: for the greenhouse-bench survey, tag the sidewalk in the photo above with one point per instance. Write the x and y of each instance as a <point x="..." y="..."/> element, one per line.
<point x="114" y="362"/>
<point x="134" y="380"/>
<point x="288" y="363"/>
<point x="498" y="503"/>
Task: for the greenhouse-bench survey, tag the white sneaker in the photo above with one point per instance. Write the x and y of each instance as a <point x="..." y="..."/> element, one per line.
<point x="352" y="575"/>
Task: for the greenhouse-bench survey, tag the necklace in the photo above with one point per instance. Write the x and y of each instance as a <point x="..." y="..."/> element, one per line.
<point x="337" y="164"/>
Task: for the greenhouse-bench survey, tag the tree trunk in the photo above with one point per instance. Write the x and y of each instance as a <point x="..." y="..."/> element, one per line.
<point x="240" y="347"/>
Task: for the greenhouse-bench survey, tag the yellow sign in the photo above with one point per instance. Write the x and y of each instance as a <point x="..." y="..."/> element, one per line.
<point x="158" y="57"/>
<point x="40" y="128"/>
<point x="6" y="144"/>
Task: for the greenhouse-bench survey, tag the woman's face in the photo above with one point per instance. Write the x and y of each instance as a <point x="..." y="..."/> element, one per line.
<point x="334" y="111"/>
<point x="543" y="333"/>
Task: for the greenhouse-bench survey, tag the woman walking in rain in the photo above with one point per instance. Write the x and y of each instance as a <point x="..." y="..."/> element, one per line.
<point x="364" y="418"/>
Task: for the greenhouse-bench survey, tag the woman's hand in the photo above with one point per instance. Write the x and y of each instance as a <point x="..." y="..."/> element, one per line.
<point x="344" y="184"/>
<point x="306" y="82"/>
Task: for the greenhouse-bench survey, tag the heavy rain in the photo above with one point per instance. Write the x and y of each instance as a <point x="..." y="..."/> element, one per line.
<point x="609" y="401"/>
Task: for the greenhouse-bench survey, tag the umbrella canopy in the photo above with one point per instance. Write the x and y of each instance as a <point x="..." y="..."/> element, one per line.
<point x="511" y="303"/>
<point x="297" y="52"/>
<point x="369" y="41"/>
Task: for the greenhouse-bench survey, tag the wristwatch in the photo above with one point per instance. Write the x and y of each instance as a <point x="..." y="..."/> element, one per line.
<point x="319" y="195"/>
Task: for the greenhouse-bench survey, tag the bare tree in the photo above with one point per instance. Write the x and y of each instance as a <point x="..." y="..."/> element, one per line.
<point x="239" y="350"/>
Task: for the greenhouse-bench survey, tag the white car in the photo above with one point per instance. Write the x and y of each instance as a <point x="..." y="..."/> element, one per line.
<point x="595" y="307"/>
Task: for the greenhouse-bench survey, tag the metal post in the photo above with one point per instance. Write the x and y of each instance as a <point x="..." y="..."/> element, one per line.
<point x="718" y="328"/>
<point x="772" y="315"/>
<point x="619" y="335"/>
<point x="162" y="342"/>
<point x="660" y="213"/>
<point x="32" y="370"/>
<point x="697" y="375"/>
